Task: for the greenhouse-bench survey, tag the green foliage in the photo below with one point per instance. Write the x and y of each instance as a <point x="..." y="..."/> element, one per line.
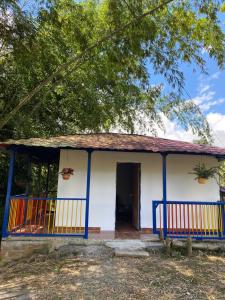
<point x="201" y="171"/>
<point x="221" y="172"/>
<point x="112" y="86"/>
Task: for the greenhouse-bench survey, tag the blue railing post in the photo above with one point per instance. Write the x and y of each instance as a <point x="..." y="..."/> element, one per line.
<point x="164" y="173"/>
<point x="154" y="206"/>
<point x="8" y="194"/>
<point x="88" y="193"/>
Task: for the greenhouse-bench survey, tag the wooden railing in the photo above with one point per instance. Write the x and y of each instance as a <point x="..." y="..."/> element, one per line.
<point x="199" y="220"/>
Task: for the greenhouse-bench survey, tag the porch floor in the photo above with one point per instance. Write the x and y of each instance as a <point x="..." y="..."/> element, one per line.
<point x="121" y="232"/>
<point x="124" y="235"/>
<point x="124" y="231"/>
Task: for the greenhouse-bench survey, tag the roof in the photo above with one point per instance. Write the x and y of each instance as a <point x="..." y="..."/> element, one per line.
<point x="117" y="142"/>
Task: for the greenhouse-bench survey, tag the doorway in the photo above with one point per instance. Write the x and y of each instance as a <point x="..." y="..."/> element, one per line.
<point x="128" y="196"/>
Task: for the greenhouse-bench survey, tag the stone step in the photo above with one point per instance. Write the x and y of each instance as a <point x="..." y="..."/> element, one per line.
<point x="126" y="244"/>
<point x="153" y="246"/>
<point x="130" y="253"/>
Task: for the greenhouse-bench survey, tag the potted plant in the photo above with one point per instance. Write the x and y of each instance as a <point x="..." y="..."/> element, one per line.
<point x="66" y="172"/>
<point x="202" y="173"/>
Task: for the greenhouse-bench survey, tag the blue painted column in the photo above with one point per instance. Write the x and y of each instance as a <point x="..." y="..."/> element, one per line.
<point x="8" y="194"/>
<point x="88" y="193"/>
<point x="164" y="173"/>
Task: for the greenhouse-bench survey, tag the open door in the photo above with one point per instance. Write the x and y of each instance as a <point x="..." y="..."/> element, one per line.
<point x="136" y="196"/>
<point x="128" y="196"/>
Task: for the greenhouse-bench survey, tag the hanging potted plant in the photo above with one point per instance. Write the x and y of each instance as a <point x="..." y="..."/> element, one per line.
<point x="66" y="173"/>
<point x="202" y="173"/>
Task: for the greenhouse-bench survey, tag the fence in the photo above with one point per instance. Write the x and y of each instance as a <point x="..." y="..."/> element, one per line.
<point x="199" y="220"/>
<point x="47" y="216"/>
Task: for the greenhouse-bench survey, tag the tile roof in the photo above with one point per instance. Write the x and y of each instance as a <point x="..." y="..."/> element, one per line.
<point x="118" y="142"/>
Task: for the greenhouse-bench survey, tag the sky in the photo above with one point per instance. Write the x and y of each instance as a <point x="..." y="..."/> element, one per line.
<point x="207" y="91"/>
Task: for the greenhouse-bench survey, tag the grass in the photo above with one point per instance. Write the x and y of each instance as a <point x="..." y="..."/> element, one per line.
<point x="101" y="276"/>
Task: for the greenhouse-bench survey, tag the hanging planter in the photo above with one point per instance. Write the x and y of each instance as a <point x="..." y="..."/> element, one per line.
<point x="203" y="174"/>
<point x="66" y="173"/>
<point x="202" y="180"/>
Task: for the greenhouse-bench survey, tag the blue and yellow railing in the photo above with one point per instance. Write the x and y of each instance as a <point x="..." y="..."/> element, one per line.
<point x="47" y="216"/>
<point x="199" y="220"/>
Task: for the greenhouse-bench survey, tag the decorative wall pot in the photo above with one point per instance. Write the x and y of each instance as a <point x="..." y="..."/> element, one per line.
<point x="66" y="176"/>
<point x="202" y="180"/>
<point x="66" y="172"/>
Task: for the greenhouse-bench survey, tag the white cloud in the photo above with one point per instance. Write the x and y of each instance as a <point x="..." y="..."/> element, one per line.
<point x="206" y="95"/>
<point x="204" y="88"/>
<point x="214" y="76"/>
<point x="174" y="132"/>
<point x="217" y="124"/>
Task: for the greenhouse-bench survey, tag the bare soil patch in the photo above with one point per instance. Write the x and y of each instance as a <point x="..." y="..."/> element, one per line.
<point x="96" y="274"/>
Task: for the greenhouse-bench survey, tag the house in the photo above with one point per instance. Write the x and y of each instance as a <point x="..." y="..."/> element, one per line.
<point x="118" y="181"/>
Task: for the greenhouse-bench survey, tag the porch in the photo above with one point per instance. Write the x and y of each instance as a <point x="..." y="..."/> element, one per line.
<point x="58" y="217"/>
<point x="46" y="214"/>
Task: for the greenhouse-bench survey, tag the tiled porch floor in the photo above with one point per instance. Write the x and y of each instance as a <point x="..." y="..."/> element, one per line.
<point x="123" y="231"/>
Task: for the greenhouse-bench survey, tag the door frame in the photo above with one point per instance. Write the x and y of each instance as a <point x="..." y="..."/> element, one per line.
<point x="138" y="164"/>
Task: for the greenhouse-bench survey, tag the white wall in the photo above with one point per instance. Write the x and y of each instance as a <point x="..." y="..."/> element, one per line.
<point x="181" y="185"/>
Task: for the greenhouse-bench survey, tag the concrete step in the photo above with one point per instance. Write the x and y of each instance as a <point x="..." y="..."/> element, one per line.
<point x="126" y="244"/>
<point x="153" y="246"/>
<point x="130" y="253"/>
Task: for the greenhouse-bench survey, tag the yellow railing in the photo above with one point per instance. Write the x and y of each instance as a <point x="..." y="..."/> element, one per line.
<point x="47" y="216"/>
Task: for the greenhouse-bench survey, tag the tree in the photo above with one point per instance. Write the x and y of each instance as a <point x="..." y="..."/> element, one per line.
<point x="109" y="84"/>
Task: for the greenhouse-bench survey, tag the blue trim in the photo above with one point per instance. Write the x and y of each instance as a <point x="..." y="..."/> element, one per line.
<point x="154" y="206"/>
<point x="164" y="173"/>
<point x="45" y="234"/>
<point x="36" y="198"/>
<point x="88" y="193"/>
<point x="199" y="238"/>
<point x="190" y="202"/>
<point x="9" y="189"/>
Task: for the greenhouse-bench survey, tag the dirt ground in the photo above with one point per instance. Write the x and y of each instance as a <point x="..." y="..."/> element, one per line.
<point x="97" y="274"/>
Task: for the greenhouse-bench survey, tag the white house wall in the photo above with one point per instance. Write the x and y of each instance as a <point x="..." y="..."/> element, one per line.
<point x="180" y="184"/>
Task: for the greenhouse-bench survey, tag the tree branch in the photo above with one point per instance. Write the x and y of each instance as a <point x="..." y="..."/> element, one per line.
<point x="77" y="59"/>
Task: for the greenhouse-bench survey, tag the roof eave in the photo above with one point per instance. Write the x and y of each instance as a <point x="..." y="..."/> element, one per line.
<point x="22" y="148"/>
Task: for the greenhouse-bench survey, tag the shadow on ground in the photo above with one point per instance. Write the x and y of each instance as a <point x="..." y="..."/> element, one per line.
<point x="94" y="273"/>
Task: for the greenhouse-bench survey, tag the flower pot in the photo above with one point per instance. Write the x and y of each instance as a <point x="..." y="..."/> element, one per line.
<point x="202" y="180"/>
<point x="66" y="176"/>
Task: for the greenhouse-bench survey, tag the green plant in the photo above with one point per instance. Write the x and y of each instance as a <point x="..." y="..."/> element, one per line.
<point x="67" y="171"/>
<point x="201" y="171"/>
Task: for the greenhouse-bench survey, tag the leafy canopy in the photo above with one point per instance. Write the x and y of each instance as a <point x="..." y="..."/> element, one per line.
<point x="112" y="84"/>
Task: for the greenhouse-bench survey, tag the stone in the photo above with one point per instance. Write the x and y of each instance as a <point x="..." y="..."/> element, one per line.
<point x="129" y="253"/>
<point x="126" y="244"/>
<point x="153" y="246"/>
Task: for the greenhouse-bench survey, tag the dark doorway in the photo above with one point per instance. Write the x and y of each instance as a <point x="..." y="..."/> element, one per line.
<point x="128" y="195"/>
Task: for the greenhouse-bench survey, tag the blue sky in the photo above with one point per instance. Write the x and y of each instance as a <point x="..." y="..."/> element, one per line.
<point x="208" y="91"/>
<point x="214" y="82"/>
